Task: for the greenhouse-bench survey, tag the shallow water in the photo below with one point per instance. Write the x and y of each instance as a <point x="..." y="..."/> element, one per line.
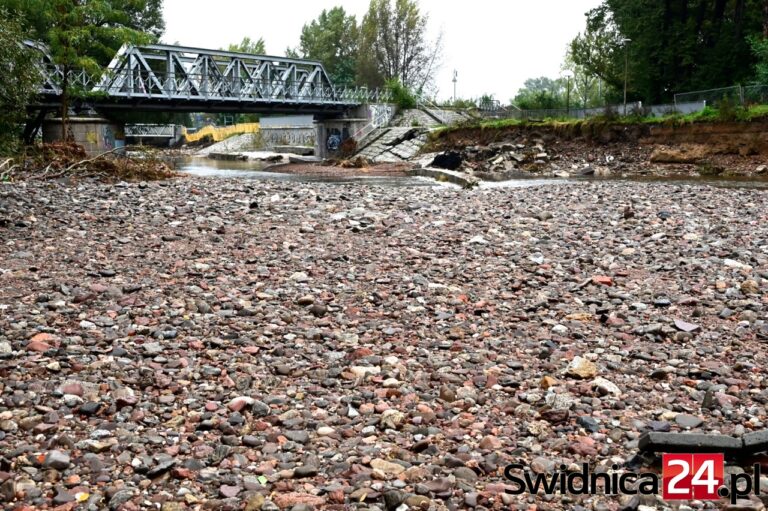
<point x="205" y="167"/>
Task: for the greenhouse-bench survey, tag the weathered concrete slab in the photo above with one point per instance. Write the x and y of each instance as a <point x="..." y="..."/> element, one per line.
<point x="447" y="176"/>
<point x="227" y="156"/>
<point x="755" y="442"/>
<point x="295" y="149"/>
<point x="689" y="442"/>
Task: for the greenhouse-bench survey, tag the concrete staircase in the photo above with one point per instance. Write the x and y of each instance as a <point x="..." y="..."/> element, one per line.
<point x="406" y="134"/>
<point x="393" y="144"/>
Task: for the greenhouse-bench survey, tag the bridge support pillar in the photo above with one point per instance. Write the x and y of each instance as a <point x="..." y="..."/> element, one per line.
<point x="97" y="135"/>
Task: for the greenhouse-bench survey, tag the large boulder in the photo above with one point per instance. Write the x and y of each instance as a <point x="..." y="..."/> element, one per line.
<point x="683" y="154"/>
<point x="450" y="160"/>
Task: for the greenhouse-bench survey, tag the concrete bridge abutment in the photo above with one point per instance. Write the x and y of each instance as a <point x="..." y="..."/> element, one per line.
<point x="332" y="136"/>
<point x="96" y="134"/>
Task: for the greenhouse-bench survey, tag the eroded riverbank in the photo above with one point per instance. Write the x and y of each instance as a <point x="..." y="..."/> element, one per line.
<point x="226" y="343"/>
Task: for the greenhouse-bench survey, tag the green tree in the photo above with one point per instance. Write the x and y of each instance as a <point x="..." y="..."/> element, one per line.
<point x="247" y="45"/>
<point x="759" y="45"/>
<point x="394" y="45"/>
<point x="333" y="39"/>
<point x="672" y="46"/>
<point x="20" y="83"/>
<point x="76" y="29"/>
<point x="113" y="22"/>
<point x="587" y="89"/>
<point x="598" y="50"/>
<point x="144" y="15"/>
<point x="541" y="93"/>
<point x="760" y="51"/>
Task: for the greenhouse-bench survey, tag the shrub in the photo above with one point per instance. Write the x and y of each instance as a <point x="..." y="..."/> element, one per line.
<point x="728" y="109"/>
<point x="401" y="96"/>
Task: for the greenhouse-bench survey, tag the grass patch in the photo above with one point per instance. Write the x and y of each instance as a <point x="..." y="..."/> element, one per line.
<point x="726" y="113"/>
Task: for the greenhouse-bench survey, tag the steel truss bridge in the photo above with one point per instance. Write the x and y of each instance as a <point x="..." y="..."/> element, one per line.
<point x="181" y="79"/>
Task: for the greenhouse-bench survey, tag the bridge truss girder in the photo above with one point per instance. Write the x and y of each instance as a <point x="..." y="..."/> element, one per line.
<point x="180" y="73"/>
<point x="164" y="77"/>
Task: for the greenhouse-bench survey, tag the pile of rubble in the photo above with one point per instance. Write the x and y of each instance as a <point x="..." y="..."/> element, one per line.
<point x="504" y="160"/>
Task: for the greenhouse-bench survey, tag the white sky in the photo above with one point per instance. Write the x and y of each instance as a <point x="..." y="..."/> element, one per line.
<point x="495" y="45"/>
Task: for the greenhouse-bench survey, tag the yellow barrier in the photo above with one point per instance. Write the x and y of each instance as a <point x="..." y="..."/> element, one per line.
<point x="217" y="134"/>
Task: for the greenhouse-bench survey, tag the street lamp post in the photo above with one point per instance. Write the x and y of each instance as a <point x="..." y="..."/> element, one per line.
<point x="455" y="79"/>
<point x="568" y="75"/>
<point x="626" y="42"/>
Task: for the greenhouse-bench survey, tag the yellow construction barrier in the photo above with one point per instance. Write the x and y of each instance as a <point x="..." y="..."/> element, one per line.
<point x="219" y="133"/>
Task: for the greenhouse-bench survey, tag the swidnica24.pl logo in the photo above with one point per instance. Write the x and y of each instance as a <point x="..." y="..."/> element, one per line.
<point x="683" y="477"/>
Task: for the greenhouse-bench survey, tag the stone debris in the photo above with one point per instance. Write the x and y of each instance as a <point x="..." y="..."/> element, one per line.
<point x="590" y="150"/>
<point x="170" y="346"/>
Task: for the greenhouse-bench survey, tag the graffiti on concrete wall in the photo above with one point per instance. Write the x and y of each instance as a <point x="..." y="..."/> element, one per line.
<point x="109" y="138"/>
<point x="380" y="115"/>
<point x="288" y="136"/>
<point x="333" y="142"/>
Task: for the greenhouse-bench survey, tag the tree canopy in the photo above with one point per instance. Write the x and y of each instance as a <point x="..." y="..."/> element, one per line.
<point x="541" y="93"/>
<point x="333" y="39"/>
<point x="672" y="46"/>
<point x="85" y="34"/>
<point x="103" y="25"/>
<point x="394" y="45"/>
<point x="247" y="45"/>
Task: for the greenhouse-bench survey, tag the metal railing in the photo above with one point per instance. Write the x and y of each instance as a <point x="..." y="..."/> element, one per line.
<point x="489" y="105"/>
<point x="634" y="108"/>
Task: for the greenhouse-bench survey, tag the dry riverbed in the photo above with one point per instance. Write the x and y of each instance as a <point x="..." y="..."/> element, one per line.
<point x="229" y="344"/>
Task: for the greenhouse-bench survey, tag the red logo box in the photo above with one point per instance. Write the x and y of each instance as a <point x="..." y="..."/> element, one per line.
<point x="692" y="476"/>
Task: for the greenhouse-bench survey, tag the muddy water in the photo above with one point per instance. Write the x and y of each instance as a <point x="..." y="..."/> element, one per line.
<point x="205" y="167"/>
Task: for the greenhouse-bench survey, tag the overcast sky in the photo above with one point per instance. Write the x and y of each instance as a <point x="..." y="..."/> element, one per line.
<point x="493" y="44"/>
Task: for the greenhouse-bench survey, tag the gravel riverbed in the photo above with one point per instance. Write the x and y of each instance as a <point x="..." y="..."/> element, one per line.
<point x="225" y="344"/>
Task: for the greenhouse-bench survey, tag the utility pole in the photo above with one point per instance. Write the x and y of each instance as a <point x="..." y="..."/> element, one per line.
<point x="601" y="101"/>
<point x="455" y="79"/>
<point x="626" y="42"/>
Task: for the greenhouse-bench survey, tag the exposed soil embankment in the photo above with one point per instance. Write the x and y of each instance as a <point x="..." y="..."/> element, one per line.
<point x="599" y="133"/>
<point x="738" y="148"/>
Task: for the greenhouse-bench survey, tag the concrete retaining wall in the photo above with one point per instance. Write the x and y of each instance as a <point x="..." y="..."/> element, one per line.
<point x="288" y="136"/>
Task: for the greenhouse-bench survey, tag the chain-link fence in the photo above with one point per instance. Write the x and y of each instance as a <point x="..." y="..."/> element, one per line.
<point x="738" y="94"/>
<point x="635" y="108"/>
<point x="684" y="103"/>
<point x="755" y="95"/>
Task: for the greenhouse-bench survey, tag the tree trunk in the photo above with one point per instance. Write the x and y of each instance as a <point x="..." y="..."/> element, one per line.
<point x="738" y="18"/>
<point x="765" y="18"/>
<point x="65" y="105"/>
<point x="719" y="14"/>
